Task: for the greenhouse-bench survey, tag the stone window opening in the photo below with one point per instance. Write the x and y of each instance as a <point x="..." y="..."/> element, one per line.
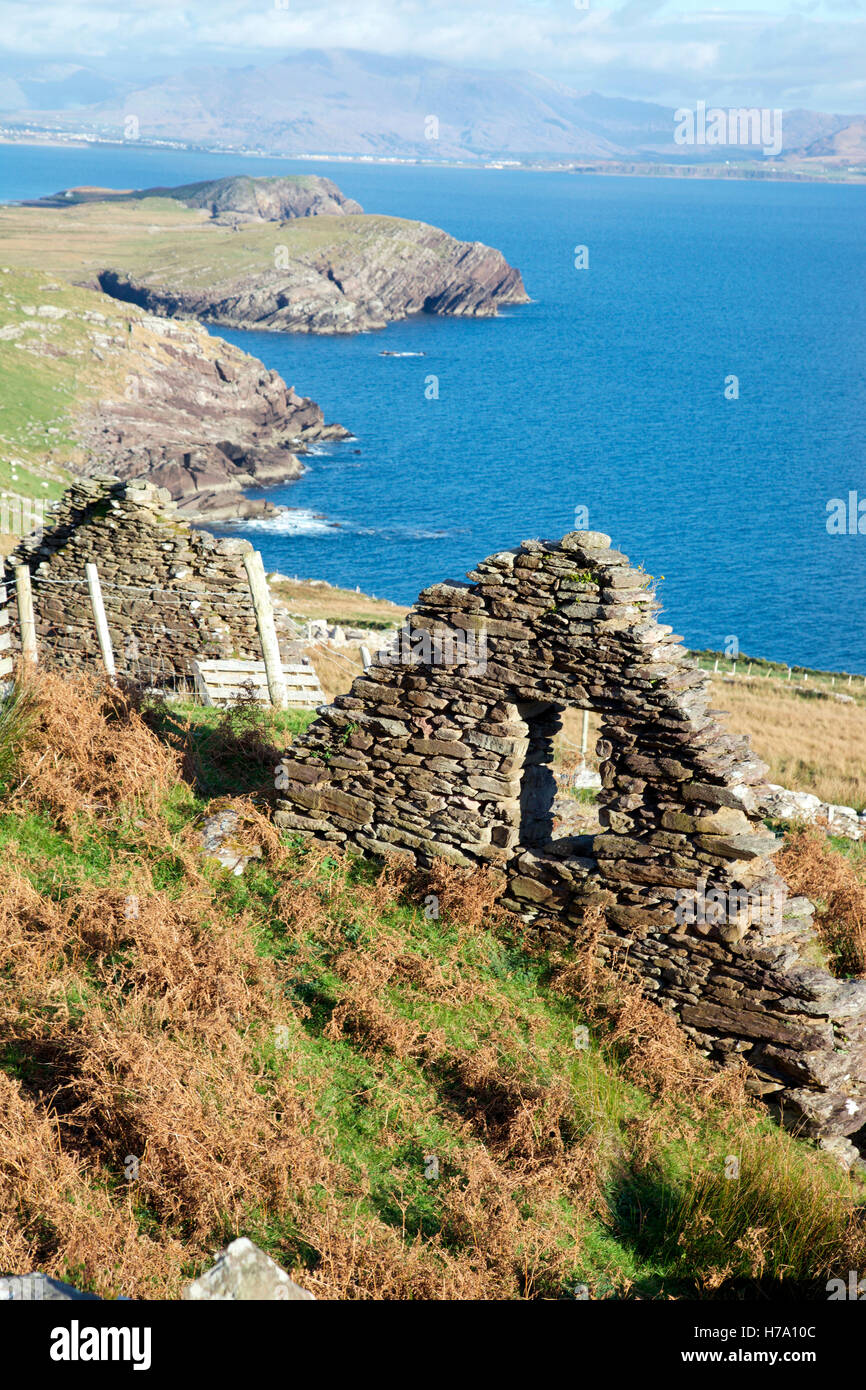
<point x="538" y="786"/>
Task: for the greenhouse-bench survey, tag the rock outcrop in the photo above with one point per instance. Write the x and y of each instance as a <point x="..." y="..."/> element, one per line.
<point x="139" y="395"/>
<point x="202" y="419"/>
<point x="242" y="198"/>
<point x="243" y="1272"/>
<point x="444" y="747"/>
<point x="362" y="273"/>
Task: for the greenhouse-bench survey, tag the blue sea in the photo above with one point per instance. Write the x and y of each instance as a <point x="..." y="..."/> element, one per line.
<point x="611" y="391"/>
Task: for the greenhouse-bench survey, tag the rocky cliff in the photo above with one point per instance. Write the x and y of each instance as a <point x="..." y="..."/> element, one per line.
<point x="225" y="422"/>
<point x="344" y="272"/>
<point x="136" y="395"/>
<point x="371" y="272"/>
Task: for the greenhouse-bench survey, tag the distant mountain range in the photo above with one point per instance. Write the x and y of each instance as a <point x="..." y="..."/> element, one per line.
<point x="352" y="103"/>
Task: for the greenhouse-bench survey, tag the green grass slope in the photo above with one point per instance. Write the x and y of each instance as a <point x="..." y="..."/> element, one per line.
<point x="373" y="1074"/>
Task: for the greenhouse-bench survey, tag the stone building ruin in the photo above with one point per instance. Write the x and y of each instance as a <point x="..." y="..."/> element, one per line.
<point x="172" y="594"/>
<point x="452" y="757"/>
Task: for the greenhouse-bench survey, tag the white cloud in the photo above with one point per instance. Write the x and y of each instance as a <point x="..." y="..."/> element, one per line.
<point x="740" y="50"/>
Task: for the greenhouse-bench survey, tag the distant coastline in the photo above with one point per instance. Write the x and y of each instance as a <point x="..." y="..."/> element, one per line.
<point x="741" y="170"/>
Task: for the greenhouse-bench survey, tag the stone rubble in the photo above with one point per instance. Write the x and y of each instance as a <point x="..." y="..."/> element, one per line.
<point x="778" y="803"/>
<point x="241" y="1273"/>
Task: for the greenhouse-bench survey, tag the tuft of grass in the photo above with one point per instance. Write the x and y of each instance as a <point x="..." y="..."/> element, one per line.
<point x="231" y="750"/>
<point x="15" y="718"/>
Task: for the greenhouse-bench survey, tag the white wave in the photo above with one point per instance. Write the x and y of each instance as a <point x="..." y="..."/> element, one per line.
<point x="300" y="521"/>
<point x="293" y="521"/>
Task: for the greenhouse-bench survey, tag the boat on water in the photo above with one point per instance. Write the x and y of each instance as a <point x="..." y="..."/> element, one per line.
<point x="386" y="353"/>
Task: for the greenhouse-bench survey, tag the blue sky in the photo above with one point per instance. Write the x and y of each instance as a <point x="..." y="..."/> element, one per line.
<point x="766" y="52"/>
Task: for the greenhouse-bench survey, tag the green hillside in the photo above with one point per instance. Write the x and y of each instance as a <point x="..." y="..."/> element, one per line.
<point x="372" y="1073"/>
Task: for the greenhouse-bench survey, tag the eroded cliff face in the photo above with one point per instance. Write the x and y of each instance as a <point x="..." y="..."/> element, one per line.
<point x="361" y="273"/>
<point x="133" y="394"/>
<point x="202" y="419"/>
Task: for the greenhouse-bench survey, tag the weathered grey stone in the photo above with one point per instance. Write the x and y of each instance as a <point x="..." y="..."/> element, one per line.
<point x="40" y="1288"/>
<point x="683" y="871"/>
<point x="244" y="1273"/>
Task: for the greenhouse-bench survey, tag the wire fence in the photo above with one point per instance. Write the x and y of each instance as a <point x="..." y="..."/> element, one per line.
<point x="168" y="640"/>
<point x="752" y="669"/>
<point x="148" y="653"/>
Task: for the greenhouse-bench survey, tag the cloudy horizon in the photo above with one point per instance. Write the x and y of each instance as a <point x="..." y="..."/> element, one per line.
<point x="767" y="52"/>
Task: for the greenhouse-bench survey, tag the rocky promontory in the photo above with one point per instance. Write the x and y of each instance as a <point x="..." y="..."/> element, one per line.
<point x="285" y="255"/>
<point x="234" y="199"/>
<point x="137" y="395"/>
<point x="357" y="274"/>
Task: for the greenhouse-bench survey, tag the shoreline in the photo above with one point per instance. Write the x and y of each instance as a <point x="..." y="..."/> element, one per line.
<point x="747" y="172"/>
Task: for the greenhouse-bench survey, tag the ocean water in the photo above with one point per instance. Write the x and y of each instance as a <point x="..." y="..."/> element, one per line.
<point x="607" y="392"/>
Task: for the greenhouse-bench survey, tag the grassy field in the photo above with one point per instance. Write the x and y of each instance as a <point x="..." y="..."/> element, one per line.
<point x="809" y="741"/>
<point x="47" y="368"/>
<point x="163" y="241"/>
<point x="306" y="598"/>
<point x="373" y="1074"/>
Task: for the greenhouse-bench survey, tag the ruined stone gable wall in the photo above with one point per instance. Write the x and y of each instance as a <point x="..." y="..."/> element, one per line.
<point x="170" y="593"/>
<point x="433" y="758"/>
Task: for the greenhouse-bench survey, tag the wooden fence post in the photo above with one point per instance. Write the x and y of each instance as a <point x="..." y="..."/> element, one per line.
<point x="5" y="638"/>
<point x="261" y="597"/>
<point x="26" y="616"/>
<point x="95" y="590"/>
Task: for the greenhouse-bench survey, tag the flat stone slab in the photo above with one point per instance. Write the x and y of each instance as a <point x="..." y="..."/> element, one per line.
<point x="222" y="839"/>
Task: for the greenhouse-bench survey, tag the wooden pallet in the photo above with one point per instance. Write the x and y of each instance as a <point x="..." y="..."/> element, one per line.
<point x="225" y="682"/>
<point x="5" y="638"/>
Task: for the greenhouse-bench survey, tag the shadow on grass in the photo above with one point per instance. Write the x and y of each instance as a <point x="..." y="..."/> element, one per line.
<point x="234" y="751"/>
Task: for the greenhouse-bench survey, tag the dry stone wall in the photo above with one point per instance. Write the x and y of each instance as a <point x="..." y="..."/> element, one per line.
<point x="171" y="593"/>
<point x="444" y="747"/>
